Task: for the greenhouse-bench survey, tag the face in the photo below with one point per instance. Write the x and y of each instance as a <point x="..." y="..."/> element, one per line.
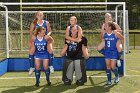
<point x="108" y="17"/>
<point x="108" y="28"/>
<point x="73" y="20"/>
<point x="42" y="33"/>
<point x="74" y="30"/>
<point x="39" y="15"/>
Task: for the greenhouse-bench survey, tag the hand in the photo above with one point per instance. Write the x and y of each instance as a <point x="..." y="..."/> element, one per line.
<point x="78" y="40"/>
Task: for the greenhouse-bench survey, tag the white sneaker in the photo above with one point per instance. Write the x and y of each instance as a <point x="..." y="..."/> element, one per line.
<point x="118" y="63"/>
<point x="51" y="69"/>
<point x="31" y="70"/>
<point x="116" y="80"/>
<point x="108" y="83"/>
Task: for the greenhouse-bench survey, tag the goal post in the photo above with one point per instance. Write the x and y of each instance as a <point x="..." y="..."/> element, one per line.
<point x="5" y="32"/>
<point x="90" y="21"/>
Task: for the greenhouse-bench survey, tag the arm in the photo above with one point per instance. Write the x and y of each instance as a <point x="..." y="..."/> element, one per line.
<point x="49" y="39"/>
<point x="85" y="51"/>
<point x="84" y="48"/>
<point x="32" y="47"/>
<point x="31" y="29"/>
<point x="64" y="50"/>
<point x="120" y="36"/>
<point x="48" y="28"/>
<point x="102" y="31"/>
<point x="118" y="28"/>
<point x="80" y="32"/>
<point x="78" y="39"/>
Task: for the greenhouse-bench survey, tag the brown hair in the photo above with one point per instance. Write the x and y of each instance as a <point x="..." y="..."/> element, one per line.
<point x="112" y="25"/>
<point x="37" y="30"/>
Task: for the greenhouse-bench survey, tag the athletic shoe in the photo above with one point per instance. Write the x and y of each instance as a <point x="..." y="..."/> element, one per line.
<point x="51" y="69"/>
<point x="48" y="82"/>
<point x="37" y="85"/>
<point x="31" y="70"/>
<point x="67" y="82"/>
<point x="108" y="83"/>
<point x="79" y="82"/>
<point x="116" y="80"/>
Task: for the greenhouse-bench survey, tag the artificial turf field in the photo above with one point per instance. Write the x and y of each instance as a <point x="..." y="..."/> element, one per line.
<point x="20" y="82"/>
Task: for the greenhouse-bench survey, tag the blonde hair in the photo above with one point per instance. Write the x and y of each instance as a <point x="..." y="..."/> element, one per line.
<point x="108" y="14"/>
<point x="35" y="19"/>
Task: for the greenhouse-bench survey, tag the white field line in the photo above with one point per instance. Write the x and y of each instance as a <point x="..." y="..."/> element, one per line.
<point x="134" y="70"/>
<point x="43" y="77"/>
<point x="8" y="78"/>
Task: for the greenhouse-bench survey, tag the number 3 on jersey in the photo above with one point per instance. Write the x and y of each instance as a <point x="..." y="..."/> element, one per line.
<point x="108" y="43"/>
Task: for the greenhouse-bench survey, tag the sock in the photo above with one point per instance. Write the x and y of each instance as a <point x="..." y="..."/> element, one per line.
<point x="119" y="55"/>
<point x="102" y="51"/>
<point x="108" y="73"/>
<point x="115" y="71"/>
<point x="31" y="60"/>
<point x="51" y="57"/>
<point x="47" y="73"/>
<point x="37" y="75"/>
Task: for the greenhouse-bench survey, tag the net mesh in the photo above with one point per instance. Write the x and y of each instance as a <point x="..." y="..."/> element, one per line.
<point x="19" y="22"/>
<point x="2" y="36"/>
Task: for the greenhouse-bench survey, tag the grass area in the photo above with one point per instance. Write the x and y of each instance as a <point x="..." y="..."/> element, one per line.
<point x="128" y="84"/>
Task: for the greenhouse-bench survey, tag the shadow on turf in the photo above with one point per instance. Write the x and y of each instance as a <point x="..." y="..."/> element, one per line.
<point x="54" y="88"/>
<point x="60" y="87"/>
<point x="96" y="88"/>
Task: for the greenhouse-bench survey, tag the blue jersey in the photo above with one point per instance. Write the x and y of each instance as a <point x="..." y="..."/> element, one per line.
<point x="41" y="48"/>
<point x="110" y="46"/>
<point x="110" y="42"/>
<point x="43" y="25"/>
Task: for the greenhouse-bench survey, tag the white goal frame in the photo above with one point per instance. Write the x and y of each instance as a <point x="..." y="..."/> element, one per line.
<point x="71" y="4"/>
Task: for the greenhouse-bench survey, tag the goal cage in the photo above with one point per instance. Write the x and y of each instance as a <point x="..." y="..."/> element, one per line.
<point x="14" y="30"/>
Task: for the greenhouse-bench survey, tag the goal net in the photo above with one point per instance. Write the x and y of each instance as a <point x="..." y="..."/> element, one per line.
<point x="90" y="20"/>
<point x="2" y="35"/>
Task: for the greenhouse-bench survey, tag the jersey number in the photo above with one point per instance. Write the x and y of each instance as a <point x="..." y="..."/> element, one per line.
<point x="40" y="48"/>
<point x="108" y="43"/>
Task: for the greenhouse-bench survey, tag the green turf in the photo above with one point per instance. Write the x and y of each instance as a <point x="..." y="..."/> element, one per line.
<point x="93" y="85"/>
<point x="127" y="84"/>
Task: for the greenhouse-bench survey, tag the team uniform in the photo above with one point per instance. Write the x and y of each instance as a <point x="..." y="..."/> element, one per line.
<point x="50" y="55"/>
<point x="41" y="53"/>
<point x="41" y="49"/>
<point x="102" y="51"/>
<point x="43" y="25"/>
<point x="31" y="57"/>
<point x="111" y="53"/>
<point x="110" y="46"/>
<point x="74" y="61"/>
